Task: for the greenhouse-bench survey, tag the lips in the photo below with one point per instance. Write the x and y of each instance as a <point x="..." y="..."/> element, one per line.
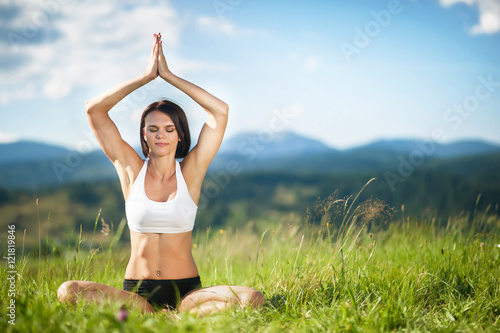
<point x="161" y="144"/>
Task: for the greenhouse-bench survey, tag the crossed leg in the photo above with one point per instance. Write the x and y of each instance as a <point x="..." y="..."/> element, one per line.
<point x="201" y="301"/>
<point x="73" y="291"/>
<point x="218" y="298"/>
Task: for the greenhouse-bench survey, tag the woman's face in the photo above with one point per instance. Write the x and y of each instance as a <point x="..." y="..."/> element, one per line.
<point x="160" y="134"/>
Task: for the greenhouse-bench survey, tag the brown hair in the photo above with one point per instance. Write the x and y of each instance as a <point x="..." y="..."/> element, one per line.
<point x="179" y="119"/>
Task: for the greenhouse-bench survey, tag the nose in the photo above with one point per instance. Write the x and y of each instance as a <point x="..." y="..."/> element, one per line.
<point x="160" y="134"/>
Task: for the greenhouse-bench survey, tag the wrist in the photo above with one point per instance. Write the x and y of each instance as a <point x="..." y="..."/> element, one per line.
<point x="146" y="78"/>
<point x="168" y="76"/>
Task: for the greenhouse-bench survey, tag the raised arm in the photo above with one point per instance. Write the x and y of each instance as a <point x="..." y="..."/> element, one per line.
<point x="212" y="132"/>
<point x="106" y="132"/>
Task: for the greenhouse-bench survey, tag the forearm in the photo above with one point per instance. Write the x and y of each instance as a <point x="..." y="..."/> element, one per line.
<point x="208" y="101"/>
<point x="109" y="98"/>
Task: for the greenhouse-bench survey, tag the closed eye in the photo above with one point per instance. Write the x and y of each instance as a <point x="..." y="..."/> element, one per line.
<point x="169" y="128"/>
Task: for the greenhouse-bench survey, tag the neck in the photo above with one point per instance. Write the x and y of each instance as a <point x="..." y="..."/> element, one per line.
<point x="161" y="168"/>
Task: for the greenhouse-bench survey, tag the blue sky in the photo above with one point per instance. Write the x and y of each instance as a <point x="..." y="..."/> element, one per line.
<point x="343" y="72"/>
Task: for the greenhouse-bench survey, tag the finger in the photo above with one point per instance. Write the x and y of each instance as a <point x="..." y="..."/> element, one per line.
<point x="156" y="49"/>
<point x="160" y="47"/>
<point x="155" y="39"/>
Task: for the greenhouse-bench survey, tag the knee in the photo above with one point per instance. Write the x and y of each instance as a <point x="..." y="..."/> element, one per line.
<point x="67" y="291"/>
<point x="253" y="298"/>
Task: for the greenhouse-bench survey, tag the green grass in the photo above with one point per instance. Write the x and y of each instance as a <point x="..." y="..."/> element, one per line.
<point x="342" y="267"/>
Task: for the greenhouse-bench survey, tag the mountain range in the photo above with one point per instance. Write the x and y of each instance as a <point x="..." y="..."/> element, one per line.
<point x="289" y="151"/>
<point x="27" y="164"/>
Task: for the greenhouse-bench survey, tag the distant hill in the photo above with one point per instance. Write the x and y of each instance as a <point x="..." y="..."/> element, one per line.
<point x="27" y="164"/>
<point x="272" y="145"/>
<point x="23" y="151"/>
<point x="292" y="152"/>
<point x="57" y="171"/>
<point x="453" y="149"/>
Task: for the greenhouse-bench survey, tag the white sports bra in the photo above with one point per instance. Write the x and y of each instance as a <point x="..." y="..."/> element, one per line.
<point x="147" y="216"/>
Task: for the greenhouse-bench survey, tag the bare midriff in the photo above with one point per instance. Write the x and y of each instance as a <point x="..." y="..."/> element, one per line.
<point x="161" y="257"/>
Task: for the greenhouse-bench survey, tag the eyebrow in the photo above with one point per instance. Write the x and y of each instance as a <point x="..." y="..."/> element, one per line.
<point x="157" y="126"/>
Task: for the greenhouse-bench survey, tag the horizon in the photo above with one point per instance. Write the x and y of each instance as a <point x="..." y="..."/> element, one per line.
<point x="411" y="140"/>
<point x="343" y="73"/>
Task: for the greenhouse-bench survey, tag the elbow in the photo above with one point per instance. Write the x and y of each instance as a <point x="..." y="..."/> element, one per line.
<point x="91" y="107"/>
<point x="224" y="110"/>
<point x="88" y="107"/>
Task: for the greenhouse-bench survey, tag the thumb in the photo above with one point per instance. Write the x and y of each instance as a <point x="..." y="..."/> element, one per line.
<point x="156" y="50"/>
<point x="160" y="49"/>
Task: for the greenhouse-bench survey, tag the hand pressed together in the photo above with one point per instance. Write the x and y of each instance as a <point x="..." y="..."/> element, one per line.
<point x="163" y="69"/>
<point x="151" y="71"/>
<point x="157" y="65"/>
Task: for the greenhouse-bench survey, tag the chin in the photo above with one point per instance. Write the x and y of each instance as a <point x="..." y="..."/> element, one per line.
<point x="161" y="153"/>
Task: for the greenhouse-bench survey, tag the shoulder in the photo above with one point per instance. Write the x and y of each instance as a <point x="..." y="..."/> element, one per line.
<point x="132" y="166"/>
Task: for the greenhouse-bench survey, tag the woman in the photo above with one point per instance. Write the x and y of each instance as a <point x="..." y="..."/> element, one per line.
<point x="161" y="197"/>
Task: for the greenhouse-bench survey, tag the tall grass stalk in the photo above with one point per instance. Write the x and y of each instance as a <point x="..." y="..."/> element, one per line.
<point x="39" y="235"/>
<point x="337" y="269"/>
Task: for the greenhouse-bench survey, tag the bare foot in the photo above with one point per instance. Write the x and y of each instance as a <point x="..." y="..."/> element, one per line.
<point x="171" y="314"/>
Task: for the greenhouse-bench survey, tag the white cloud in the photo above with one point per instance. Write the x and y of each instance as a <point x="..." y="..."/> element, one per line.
<point x="7" y="137"/>
<point x="311" y="35"/>
<point x="22" y="92"/>
<point x="185" y="65"/>
<point x="215" y="25"/>
<point x="308" y="63"/>
<point x="448" y="3"/>
<point x="489" y="14"/>
<point x="311" y="63"/>
<point x="94" y="44"/>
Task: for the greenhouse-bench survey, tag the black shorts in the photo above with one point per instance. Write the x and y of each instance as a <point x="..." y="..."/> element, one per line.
<point x="162" y="293"/>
